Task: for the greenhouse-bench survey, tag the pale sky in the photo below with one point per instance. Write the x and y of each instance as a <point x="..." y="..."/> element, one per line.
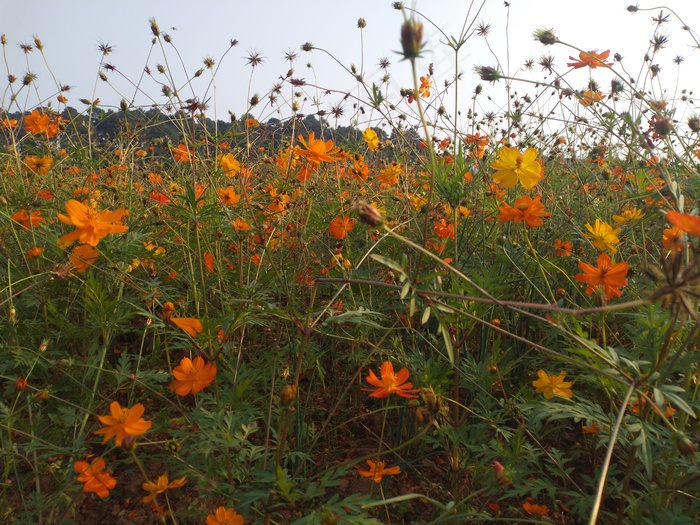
<point x="71" y="31"/>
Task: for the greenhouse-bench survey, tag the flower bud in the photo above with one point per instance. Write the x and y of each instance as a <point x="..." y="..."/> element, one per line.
<point x="632" y="8"/>
<point x="487" y="73"/>
<point x="287" y="395"/>
<point x="663" y="126"/>
<point x="20" y="384"/>
<point x="361" y="23"/>
<point x="411" y="39"/>
<point x="545" y="36"/>
<point x="499" y="472"/>
<point x="368" y="214"/>
<point x="685" y="446"/>
<point x="694" y="124"/>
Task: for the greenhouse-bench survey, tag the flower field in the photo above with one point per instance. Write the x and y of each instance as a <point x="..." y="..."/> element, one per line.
<point x="426" y="316"/>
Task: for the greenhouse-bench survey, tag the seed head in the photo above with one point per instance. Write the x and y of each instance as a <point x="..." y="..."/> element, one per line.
<point x="487" y="73"/>
<point x="154" y="27"/>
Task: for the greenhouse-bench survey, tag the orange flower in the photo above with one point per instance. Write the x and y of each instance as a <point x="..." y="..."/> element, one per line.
<point x="592" y="59"/>
<point x="425" y="85"/>
<point x="192" y="376"/>
<point x="590" y="97"/>
<point x="91" y="225"/>
<point x="562" y="248"/>
<point x="208" y="261"/>
<point x="317" y="151"/>
<point x="593" y="429"/>
<point x="94" y="477"/>
<point x="240" y="225"/>
<point x="228" y="196"/>
<point x="610" y="276"/>
<point x="526" y="209"/>
<point x="686" y="222"/>
<point x="340" y="226"/>
<point x="8" y="123"/>
<point x="534" y="509"/>
<point x="34" y="252"/>
<point x="552" y="385"/>
<point x="122" y="423"/>
<point x="191" y="325"/>
<point x="160" y="486"/>
<point x="444" y="229"/>
<point x="39" y="165"/>
<point x="182" y="153"/>
<point x="673" y="239"/>
<point x="159" y="197"/>
<point x="377" y="470"/>
<point x="82" y="257"/>
<point x="224" y="516"/>
<point x="28" y="220"/>
<point x="36" y="123"/>
<point x="391" y="383"/>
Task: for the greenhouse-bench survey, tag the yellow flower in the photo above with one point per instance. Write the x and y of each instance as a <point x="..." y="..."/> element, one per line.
<point x="229" y="164"/>
<point x="628" y="215"/>
<point x="371" y="138"/>
<point x="552" y="385"/>
<point x="603" y="236"/>
<point x="512" y="166"/>
<point x="91" y="225"/>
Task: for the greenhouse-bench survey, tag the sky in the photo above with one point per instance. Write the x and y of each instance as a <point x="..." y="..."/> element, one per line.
<point x="72" y="30"/>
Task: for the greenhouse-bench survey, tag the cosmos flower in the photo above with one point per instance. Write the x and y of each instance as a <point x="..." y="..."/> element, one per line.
<point x="552" y="385"/>
<point x="377" y="470"/>
<point x="608" y="275"/>
<point x="192" y="376"/>
<point x="91" y="225"/>
<point x="391" y="383"/>
<point x="95" y="477"/>
<point x="123" y="422"/>
<point x="513" y="166"/>
<point x="592" y="59"/>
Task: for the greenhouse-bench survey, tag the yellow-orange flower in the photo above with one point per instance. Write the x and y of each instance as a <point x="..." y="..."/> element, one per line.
<point x="371" y="139"/>
<point x="673" y="239"/>
<point x="94" y="477"/>
<point x="82" y="257"/>
<point x="526" y="209"/>
<point x="160" y="486"/>
<point x="444" y="229"/>
<point x="228" y="196"/>
<point x="123" y="422"/>
<point x="603" y="236"/>
<point x="425" y="85"/>
<point x="512" y="166"/>
<point x="340" y="226"/>
<point x="686" y="222"/>
<point x="26" y="219"/>
<point x="39" y="165"/>
<point x="608" y="275"/>
<point x="391" y="383"/>
<point x="552" y="385"/>
<point x="590" y="97"/>
<point x="240" y="225"/>
<point x="192" y="376"/>
<point x="592" y="59"/>
<point x="191" y="325"/>
<point x="224" y="516"/>
<point x="317" y="151"/>
<point x="91" y="225"/>
<point x="629" y="215"/>
<point x="229" y="164"/>
<point x="377" y="470"/>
